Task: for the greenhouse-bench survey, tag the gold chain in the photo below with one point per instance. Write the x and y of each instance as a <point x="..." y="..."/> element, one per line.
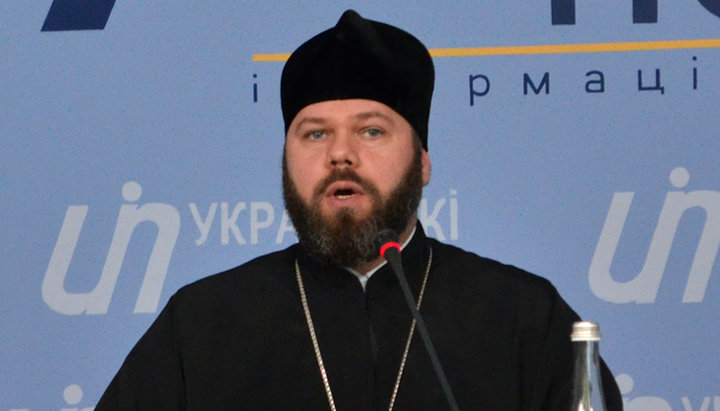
<point x="316" y="346"/>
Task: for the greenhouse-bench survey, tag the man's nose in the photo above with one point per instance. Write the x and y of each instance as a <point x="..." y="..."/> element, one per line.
<point x="342" y="151"/>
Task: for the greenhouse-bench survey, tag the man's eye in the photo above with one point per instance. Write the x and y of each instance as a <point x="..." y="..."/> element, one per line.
<point x="316" y="134"/>
<point x="373" y="132"/>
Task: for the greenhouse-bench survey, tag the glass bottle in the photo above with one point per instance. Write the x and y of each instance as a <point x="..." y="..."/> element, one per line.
<point x="587" y="392"/>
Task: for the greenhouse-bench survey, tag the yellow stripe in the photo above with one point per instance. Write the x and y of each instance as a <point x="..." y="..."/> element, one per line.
<point x="577" y="48"/>
<point x="271" y="57"/>
<point x="547" y="49"/>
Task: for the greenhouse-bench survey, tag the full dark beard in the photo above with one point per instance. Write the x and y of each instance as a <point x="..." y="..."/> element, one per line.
<point x="344" y="239"/>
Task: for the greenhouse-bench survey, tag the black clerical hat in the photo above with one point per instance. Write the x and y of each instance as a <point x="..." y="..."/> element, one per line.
<point x="360" y="58"/>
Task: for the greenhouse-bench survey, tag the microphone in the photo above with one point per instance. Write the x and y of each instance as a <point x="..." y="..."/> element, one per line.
<point x="386" y="242"/>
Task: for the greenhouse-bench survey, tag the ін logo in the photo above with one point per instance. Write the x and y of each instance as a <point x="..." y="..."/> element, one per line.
<point x="644" y="287"/>
<point x="97" y="301"/>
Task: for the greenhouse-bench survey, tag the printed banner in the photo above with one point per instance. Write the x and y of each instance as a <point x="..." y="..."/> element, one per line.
<point x="142" y="147"/>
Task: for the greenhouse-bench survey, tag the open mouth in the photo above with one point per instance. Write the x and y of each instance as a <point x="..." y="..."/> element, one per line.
<point x="344" y="193"/>
<point x="343" y="190"/>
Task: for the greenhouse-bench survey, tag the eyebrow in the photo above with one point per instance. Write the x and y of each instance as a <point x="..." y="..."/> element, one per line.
<point x="371" y="114"/>
<point x="311" y="120"/>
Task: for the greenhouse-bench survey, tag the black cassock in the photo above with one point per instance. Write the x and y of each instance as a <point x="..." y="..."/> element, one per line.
<point x="239" y="339"/>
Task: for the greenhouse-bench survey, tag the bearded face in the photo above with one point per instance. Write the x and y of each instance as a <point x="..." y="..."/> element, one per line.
<point x="345" y="238"/>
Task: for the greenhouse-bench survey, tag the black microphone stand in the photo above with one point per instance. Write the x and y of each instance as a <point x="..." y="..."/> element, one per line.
<point x="386" y="242"/>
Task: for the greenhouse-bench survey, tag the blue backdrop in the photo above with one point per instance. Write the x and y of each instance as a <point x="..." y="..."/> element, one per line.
<point x="141" y="146"/>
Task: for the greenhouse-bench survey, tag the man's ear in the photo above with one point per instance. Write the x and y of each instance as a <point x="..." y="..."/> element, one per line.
<point x="426" y="167"/>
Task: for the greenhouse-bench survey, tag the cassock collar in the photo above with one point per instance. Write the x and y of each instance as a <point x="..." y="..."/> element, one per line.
<point x="363" y="278"/>
<point x="414" y="260"/>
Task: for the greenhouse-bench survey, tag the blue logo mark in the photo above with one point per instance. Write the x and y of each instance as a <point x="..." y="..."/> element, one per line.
<point x="67" y="15"/>
<point x="713" y="6"/>
<point x="644" y="11"/>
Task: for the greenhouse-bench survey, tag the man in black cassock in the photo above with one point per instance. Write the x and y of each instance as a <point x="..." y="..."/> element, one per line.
<point x="323" y="324"/>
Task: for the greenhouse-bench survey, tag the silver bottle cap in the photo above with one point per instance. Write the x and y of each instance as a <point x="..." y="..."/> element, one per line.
<point x="585" y="331"/>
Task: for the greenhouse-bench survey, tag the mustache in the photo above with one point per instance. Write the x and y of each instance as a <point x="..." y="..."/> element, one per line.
<point x="344" y="174"/>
